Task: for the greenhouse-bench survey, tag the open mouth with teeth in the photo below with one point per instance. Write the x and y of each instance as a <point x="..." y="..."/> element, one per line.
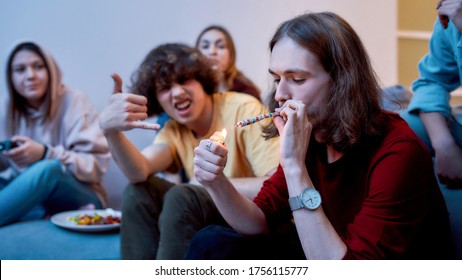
<point x="183" y="105"/>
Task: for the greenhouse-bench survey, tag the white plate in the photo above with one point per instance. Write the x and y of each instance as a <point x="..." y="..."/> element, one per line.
<point x="63" y="220"/>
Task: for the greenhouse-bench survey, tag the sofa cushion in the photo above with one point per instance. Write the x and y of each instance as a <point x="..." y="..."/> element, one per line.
<point x="42" y="240"/>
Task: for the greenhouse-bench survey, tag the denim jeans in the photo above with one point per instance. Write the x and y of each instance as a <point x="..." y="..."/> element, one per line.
<point x="224" y="243"/>
<point x="45" y="188"/>
<point x="160" y="218"/>
<point x="416" y="124"/>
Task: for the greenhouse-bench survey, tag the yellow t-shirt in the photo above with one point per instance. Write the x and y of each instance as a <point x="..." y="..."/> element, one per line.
<point x="249" y="154"/>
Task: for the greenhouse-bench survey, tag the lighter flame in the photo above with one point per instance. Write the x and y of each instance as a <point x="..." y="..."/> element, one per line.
<point x="224" y="133"/>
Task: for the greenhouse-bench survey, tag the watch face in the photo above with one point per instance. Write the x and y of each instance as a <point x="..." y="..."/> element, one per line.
<point x="311" y="198"/>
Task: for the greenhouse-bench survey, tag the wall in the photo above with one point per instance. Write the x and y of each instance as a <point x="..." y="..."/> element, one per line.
<point x="91" y="39"/>
<point x="413" y="36"/>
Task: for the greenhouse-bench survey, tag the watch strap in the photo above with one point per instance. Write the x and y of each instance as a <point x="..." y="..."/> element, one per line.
<point x="295" y="203"/>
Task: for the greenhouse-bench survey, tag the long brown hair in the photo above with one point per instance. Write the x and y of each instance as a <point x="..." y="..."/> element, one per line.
<point x="352" y="112"/>
<point x="18" y="104"/>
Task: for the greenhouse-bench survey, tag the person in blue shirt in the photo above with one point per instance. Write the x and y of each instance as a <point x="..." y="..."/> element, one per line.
<point x="429" y="112"/>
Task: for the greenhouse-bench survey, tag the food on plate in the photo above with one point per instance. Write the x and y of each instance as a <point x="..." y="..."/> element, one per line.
<point x="95" y="219"/>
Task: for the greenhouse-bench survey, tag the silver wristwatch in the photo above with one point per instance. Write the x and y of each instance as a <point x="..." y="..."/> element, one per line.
<point x="309" y="198"/>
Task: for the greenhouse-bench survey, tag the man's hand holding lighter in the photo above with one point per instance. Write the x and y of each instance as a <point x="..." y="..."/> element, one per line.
<point x="210" y="158"/>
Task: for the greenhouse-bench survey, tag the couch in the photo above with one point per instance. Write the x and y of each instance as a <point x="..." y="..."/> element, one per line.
<point x="41" y="239"/>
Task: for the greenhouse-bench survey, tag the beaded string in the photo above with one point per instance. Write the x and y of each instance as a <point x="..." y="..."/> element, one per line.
<point x="253" y="120"/>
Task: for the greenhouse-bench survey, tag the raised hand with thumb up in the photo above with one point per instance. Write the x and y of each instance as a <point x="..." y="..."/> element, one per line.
<point x="125" y="111"/>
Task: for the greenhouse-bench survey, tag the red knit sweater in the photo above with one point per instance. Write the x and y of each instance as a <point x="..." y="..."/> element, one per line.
<point x="383" y="200"/>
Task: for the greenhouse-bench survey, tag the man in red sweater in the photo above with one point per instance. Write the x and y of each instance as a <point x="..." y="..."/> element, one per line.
<point x="354" y="179"/>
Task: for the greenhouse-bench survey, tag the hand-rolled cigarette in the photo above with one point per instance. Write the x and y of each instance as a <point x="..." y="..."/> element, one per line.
<point x="256" y="119"/>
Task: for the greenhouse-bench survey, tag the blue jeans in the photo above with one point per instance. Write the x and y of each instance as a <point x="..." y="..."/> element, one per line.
<point x="44" y="188"/>
<point x="416" y="124"/>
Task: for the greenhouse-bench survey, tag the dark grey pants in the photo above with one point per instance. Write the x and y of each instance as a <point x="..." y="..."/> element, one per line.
<point x="160" y="218"/>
